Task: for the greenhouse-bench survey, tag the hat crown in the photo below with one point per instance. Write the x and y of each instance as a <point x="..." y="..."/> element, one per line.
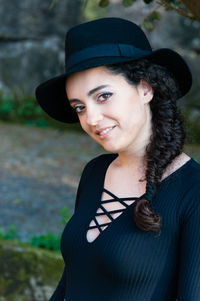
<point x="103" y="42"/>
<point x="105" y="31"/>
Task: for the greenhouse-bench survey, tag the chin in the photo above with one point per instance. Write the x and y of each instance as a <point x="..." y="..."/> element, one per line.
<point x="111" y="148"/>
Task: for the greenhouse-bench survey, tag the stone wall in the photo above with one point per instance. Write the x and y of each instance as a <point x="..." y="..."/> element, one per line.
<point x="32" y="38"/>
<point x="32" y="41"/>
<point x="27" y="273"/>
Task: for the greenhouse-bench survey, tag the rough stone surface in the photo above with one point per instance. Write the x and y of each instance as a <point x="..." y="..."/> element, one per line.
<point x="37" y="19"/>
<point x="32" y="41"/>
<point x="27" y="273"/>
<point x="32" y="38"/>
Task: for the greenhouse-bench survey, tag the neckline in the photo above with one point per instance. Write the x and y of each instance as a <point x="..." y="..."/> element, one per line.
<point x="99" y="196"/>
<point x="114" y="196"/>
<point x="174" y="173"/>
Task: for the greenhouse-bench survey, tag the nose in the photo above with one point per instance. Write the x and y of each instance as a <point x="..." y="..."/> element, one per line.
<point x="94" y="115"/>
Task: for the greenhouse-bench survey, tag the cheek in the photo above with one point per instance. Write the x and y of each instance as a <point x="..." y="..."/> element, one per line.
<point x="135" y="117"/>
<point x="83" y="124"/>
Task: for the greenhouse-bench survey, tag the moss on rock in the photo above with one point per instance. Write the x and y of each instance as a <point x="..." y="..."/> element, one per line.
<point x="27" y="273"/>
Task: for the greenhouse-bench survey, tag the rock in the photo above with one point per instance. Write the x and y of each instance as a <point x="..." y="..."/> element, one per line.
<point x="32" y="41"/>
<point x="28" y="273"/>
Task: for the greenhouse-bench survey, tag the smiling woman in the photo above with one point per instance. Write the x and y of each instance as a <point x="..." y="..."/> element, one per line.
<point x="134" y="234"/>
<point x="116" y="121"/>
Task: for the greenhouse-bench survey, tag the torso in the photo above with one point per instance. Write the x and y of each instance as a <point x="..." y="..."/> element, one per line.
<point x="123" y="185"/>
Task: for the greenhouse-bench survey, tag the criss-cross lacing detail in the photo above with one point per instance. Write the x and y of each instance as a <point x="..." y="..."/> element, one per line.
<point x="108" y="213"/>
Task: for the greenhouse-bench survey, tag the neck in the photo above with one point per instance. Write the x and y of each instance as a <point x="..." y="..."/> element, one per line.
<point x="133" y="158"/>
<point x="134" y="165"/>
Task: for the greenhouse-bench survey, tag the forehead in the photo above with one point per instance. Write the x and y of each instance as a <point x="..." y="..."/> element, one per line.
<point x="88" y="79"/>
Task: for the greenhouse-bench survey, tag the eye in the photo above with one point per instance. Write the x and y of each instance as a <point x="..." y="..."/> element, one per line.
<point x="104" y="96"/>
<point x="78" y="109"/>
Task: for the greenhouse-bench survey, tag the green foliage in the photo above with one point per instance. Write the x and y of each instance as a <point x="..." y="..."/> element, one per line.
<point x="19" y="110"/>
<point x="50" y="241"/>
<point x="47" y="241"/>
<point x="103" y="3"/>
<point x="93" y="9"/>
<point x="192" y="125"/>
<point x="53" y="2"/>
<point x="176" y="5"/>
<point x="155" y="15"/>
<point x="149" y="21"/>
<point x="148" y="25"/>
<point x="11" y="234"/>
<point x="25" y="110"/>
<point x="65" y="215"/>
<point x="17" y="201"/>
<point x="127" y="3"/>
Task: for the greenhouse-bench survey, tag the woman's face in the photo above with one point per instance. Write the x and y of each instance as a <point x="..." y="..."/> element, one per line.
<point x="114" y="113"/>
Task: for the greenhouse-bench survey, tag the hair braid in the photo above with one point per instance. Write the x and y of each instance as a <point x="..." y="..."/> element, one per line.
<point x="168" y="134"/>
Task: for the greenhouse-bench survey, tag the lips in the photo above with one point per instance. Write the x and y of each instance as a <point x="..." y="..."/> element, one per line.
<point x="103" y="131"/>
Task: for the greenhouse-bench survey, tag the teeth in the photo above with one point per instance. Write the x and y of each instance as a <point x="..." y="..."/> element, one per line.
<point x="105" y="131"/>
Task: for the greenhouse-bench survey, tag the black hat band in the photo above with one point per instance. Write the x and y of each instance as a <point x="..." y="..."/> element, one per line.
<point x="103" y="50"/>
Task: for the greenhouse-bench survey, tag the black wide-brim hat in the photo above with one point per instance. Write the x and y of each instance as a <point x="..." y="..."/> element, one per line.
<point x="102" y="42"/>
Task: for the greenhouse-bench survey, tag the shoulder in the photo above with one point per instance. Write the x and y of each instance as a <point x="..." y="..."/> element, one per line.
<point x="190" y="177"/>
<point x="196" y="167"/>
<point x="186" y="170"/>
<point x="179" y="162"/>
<point x="191" y="187"/>
<point x="97" y="165"/>
<point x="94" y="170"/>
<point x="100" y="161"/>
<point x="192" y="168"/>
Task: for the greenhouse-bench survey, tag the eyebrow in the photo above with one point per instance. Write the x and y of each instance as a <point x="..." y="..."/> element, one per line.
<point x="74" y="100"/>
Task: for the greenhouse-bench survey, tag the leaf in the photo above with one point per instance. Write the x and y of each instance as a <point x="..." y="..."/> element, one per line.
<point x="154" y="16"/>
<point x="127" y="3"/>
<point x="103" y="3"/>
<point x="148" y="25"/>
<point x="53" y="2"/>
<point x="17" y="201"/>
<point x="65" y="214"/>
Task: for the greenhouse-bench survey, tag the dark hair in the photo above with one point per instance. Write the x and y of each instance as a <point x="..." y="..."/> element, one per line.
<point x="168" y="134"/>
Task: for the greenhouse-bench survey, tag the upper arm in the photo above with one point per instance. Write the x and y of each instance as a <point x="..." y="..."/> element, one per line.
<point x="189" y="261"/>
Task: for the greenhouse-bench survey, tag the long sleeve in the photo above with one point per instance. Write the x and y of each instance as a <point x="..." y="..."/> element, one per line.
<point x="189" y="271"/>
<point x="59" y="293"/>
<point x="130" y="264"/>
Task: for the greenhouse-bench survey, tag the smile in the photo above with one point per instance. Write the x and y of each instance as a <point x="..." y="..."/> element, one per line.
<point x="105" y="132"/>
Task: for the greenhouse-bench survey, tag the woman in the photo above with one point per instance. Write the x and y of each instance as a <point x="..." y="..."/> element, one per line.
<point x="135" y="231"/>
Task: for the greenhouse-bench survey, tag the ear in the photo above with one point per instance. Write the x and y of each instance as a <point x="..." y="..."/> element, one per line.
<point x="145" y="91"/>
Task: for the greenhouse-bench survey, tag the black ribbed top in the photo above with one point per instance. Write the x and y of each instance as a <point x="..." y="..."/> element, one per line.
<point x="123" y="263"/>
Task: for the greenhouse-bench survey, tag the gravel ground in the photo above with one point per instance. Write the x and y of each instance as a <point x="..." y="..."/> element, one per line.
<point x="40" y="170"/>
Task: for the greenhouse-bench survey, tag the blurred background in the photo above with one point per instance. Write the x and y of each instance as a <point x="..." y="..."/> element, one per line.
<point x="41" y="160"/>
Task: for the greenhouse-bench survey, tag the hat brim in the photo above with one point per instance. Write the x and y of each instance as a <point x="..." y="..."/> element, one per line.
<point x="51" y="94"/>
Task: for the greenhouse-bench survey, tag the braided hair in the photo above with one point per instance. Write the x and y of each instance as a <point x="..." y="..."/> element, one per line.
<point x="168" y="134"/>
